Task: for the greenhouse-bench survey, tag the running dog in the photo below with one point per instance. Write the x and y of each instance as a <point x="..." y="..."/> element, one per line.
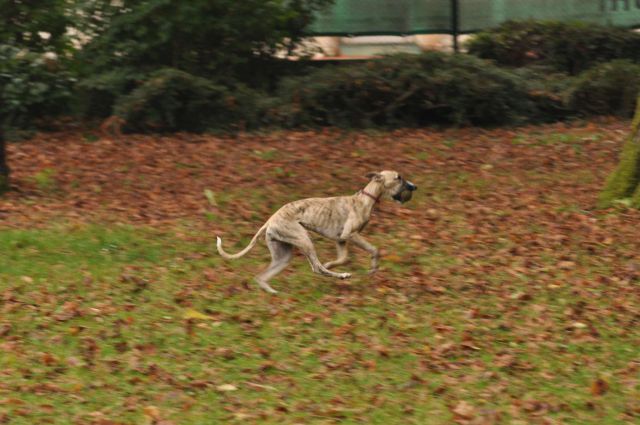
<point x="339" y="218"/>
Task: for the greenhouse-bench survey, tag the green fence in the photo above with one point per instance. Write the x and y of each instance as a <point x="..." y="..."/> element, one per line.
<point x="399" y="17"/>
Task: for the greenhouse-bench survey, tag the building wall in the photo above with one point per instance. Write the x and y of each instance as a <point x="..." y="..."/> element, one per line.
<point x="366" y="46"/>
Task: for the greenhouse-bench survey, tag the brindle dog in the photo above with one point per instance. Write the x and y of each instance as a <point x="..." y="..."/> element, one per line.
<point x="338" y="218"/>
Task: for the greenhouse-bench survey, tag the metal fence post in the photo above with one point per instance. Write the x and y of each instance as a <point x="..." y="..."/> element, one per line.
<point x="455" y="24"/>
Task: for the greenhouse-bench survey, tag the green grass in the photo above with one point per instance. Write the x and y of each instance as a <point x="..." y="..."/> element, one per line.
<point x="45" y="179"/>
<point x="266" y="155"/>
<point x="94" y="327"/>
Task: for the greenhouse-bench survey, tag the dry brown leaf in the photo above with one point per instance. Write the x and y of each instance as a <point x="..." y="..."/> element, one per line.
<point x="599" y="387"/>
<point x="464" y="410"/>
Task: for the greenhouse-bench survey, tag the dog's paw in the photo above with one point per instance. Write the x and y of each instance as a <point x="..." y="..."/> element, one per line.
<point x="266" y="287"/>
<point x="345" y="275"/>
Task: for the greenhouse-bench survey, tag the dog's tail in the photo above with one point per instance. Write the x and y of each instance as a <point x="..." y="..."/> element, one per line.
<point x="244" y="251"/>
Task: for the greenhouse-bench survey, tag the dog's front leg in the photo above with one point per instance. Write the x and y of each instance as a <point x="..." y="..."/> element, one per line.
<point x="341" y="246"/>
<point x="361" y="242"/>
<point x="346" y="231"/>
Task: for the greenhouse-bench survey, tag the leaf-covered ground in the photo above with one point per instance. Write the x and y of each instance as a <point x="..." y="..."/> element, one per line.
<point x="503" y="295"/>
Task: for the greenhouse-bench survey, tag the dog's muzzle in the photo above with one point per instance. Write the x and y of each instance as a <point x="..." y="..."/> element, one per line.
<point x="405" y="194"/>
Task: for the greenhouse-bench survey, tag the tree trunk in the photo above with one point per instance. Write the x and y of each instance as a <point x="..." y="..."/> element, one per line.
<point x="4" y="168"/>
<point x="624" y="183"/>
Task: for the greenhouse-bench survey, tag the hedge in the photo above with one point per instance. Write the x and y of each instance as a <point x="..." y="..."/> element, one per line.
<point x="567" y="47"/>
<point x="173" y="100"/>
<point x="608" y="89"/>
<point x="405" y="90"/>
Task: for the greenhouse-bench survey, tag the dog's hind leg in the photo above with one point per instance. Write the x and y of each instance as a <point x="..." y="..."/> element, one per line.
<point x="281" y="253"/>
<point x="341" y="247"/>
<point x="302" y="240"/>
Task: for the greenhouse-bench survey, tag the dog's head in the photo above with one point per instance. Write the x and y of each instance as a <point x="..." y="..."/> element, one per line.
<point x="394" y="185"/>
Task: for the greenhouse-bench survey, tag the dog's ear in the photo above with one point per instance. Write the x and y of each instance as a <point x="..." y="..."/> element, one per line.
<point x="373" y="176"/>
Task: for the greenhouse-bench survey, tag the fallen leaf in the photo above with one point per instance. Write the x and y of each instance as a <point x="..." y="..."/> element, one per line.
<point x="152" y="412"/>
<point x="599" y="387"/>
<point x="464" y="410"/>
<point x="193" y="314"/>
<point x="210" y="197"/>
<point x="226" y="387"/>
<point x="566" y="265"/>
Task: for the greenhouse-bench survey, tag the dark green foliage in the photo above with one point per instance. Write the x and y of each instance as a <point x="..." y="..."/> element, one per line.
<point x="567" y="47"/>
<point x="169" y="65"/>
<point x="224" y="40"/>
<point x="33" y="84"/>
<point x="36" y="25"/>
<point x="608" y="89"/>
<point x="548" y="90"/>
<point x="406" y="90"/>
<point x="228" y="42"/>
<point x="31" y="87"/>
<point x="172" y="100"/>
<point x="97" y="94"/>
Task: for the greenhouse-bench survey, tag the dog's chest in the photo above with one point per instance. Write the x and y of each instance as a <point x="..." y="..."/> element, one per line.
<point x="362" y="226"/>
<point x="324" y="219"/>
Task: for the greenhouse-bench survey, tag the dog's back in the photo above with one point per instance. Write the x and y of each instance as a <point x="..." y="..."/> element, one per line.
<point x="325" y="216"/>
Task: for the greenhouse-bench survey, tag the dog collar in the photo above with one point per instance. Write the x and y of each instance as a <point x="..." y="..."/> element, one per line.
<point x="364" y="192"/>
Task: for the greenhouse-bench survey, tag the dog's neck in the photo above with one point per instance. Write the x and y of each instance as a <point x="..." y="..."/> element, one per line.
<point x="372" y="193"/>
<point x="365" y="193"/>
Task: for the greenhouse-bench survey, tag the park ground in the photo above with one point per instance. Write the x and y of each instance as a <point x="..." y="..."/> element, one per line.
<point x="503" y="296"/>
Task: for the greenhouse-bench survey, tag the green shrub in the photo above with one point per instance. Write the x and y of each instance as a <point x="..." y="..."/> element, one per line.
<point x="173" y="100"/>
<point x="32" y="86"/>
<point x="404" y="90"/>
<point x="608" y="89"/>
<point x="548" y="90"/>
<point x="97" y="95"/>
<point x="227" y="41"/>
<point x="568" y="47"/>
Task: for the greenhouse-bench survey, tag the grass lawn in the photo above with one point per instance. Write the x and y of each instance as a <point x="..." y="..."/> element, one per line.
<point x="503" y="295"/>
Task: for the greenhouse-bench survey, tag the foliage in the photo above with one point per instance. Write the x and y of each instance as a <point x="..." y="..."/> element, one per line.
<point x="96" y="95"/>
<point x="548" y="90"/>
<point x="172" y="100"/>
<point x="31" y="86"/>
<point x="225" y="40"/>
<point x="90" y="18"/>
<point x="407" y="90"/>
<point x="608" y="89"/>
<point x="33" y="80"/>
<point x="624" y="182"/>
<point x="221" y="47"/>
<point x="35" y="25"/>
<point x="568" y="47"/>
